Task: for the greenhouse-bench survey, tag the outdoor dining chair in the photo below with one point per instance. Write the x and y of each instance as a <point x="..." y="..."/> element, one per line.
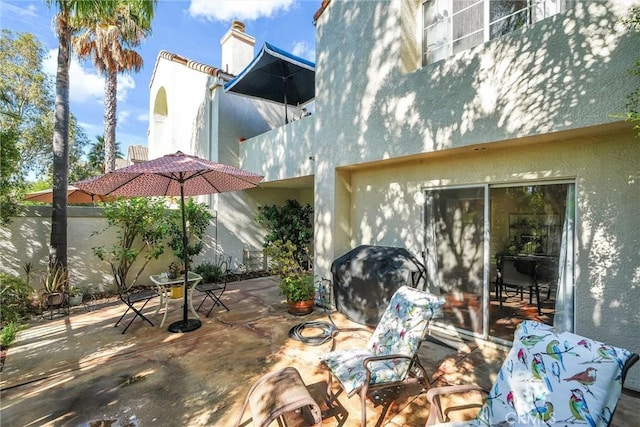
<point x="521" y="274"/>
<point x="214" y="290"/>
<point x="131" y="298"/>
<point x="549" y="378"/>
<point x="390" y="358"/>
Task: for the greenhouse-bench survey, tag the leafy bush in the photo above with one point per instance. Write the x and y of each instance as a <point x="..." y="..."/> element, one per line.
<point x="210" y="272"/>
<point x="296" y="284"/>
<point x="198" y="217"/>
<point x="290" y="222"/>
<point x="15" y="299"/>
<point x="9" y="333"/>
<point x="140" y="226"/>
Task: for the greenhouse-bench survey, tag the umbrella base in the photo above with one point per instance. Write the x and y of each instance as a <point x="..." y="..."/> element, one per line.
<point x="185" y="325"/>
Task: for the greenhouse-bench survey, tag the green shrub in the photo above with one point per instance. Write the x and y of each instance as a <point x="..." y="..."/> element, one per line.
<point x="289" y="222"/>
<point x="139" y="225"/>
<point x="198" y="218"/>
<point x="15" y="299"/>
<point x="210" y="272"/>
<point x="9" y="333"/>
<point x="296" y="284"/>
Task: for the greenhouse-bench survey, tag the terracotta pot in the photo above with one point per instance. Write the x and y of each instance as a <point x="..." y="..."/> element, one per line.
<point x="52" y="299"/>
<point x="300" y="308"/>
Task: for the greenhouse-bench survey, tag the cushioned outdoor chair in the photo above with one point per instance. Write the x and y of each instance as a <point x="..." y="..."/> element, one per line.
<point x="521" y="274"/>
<point x="549" y="378"/>
<point x="390" y="358"/>
<point x="133" y="298"/>
<point x="214" y="290"/>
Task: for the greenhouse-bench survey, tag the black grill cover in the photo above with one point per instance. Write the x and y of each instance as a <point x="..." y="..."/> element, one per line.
<point x="365" y="279"/>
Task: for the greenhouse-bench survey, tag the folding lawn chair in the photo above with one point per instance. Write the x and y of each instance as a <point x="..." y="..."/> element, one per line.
<point x="390" y="358"/>
<point x="131" y="298"/>
<point x="214" y="291"/>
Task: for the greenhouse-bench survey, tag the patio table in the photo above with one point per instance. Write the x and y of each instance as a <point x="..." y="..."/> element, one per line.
<point x="164" y="285"/>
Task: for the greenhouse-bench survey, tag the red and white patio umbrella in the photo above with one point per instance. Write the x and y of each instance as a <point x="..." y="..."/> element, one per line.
<point x="176" y="174"/>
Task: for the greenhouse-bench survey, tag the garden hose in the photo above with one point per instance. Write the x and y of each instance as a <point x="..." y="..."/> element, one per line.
<point x="297" y="332"/>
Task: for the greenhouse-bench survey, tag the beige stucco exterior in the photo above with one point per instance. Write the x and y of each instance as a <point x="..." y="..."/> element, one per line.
<point x="191" y="112"/>
<point x="536" y="105"/>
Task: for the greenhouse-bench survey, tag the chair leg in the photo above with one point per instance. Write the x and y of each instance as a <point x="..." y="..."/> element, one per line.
<point x="363" y="406"/>
<point x="123" y="314"/>
<point x="137" y="312"/>
<point x="215" y="299"/>
<point x="218" y="302"/>
<point x="206" y="295"/>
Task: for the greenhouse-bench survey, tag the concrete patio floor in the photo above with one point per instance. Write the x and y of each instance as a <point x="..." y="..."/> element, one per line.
<point x="79" y="370"/>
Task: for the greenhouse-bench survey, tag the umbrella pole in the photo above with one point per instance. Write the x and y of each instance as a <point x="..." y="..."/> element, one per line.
<point x="186" y="324"/>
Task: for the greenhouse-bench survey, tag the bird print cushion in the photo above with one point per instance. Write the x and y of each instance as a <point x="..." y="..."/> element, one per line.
<point x="399" y="331"/>
<point x="555" y="378"/>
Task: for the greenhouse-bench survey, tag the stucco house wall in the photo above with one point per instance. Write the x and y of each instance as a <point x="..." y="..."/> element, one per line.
<point x="536" y="104"/>
<point x="190" y="111"/>
<point x="178" y="107"/>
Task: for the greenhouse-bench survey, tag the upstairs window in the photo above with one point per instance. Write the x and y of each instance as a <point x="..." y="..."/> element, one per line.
<point x="452" y="26"/>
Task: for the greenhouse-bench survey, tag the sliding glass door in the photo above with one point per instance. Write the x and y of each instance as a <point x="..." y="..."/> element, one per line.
<point x="455" y="253"/>
<point x="500" y="255"/>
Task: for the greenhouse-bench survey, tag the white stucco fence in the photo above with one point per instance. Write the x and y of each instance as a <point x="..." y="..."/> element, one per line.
<point x="26" y="239"/>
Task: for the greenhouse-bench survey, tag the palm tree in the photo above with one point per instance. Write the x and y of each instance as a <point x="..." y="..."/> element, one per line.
<point x="95" y="157"/>
<point x="66" y="11"/>
<point x="109" y="40"/>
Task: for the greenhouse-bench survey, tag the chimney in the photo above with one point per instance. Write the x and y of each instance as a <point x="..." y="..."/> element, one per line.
<point x="237" y="49"/>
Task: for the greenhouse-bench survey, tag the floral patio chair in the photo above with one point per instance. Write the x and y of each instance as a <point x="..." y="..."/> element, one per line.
<point x="549" y="378"/>
<point x="390" y="357"/>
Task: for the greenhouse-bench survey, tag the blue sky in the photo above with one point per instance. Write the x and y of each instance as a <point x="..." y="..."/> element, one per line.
<point x="190" y="28"/>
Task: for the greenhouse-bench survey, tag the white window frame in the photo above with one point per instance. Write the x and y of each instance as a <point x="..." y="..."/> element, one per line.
<point x="536" y="10"/>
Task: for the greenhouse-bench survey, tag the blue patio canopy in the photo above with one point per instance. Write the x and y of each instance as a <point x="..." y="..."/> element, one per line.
<point x="276" y="75"/>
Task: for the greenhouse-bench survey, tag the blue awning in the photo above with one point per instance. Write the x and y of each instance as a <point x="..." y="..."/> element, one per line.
<point x="276" y="75"/>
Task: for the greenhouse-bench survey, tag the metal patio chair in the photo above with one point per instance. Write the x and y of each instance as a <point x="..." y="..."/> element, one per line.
<point x="131" y="299"/>
<point x="390" y="358"/>
<point x="549" y="378"/>
<point x="214" y="291"/>
<point x="521" y="274"/>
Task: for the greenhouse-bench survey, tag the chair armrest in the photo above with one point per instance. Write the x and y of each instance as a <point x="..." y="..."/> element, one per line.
<point x="335" y="333"/>
<point x="433" y="397"/>
<point x="367" y="360"/>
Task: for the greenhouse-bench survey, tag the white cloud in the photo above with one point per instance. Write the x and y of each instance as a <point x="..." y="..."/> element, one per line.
<point x="144" y="117"/>
<point x="86" y="85"/>
<point x="303" y="50"/>
<point x="30" y="11"/>
<point x="125" y="82"/>
<point x="123" y="116"/>
<point x="247" y="10"/>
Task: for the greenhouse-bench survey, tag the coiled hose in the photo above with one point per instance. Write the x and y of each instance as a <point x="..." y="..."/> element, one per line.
<point x="326" y="329"/>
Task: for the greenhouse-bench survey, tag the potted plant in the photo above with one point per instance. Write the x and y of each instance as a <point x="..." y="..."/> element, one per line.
<point x="296" y="283"/>
<point x="173" y="270"/>
<point x="75" y="296"/>
<point x="53" y="282"/>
